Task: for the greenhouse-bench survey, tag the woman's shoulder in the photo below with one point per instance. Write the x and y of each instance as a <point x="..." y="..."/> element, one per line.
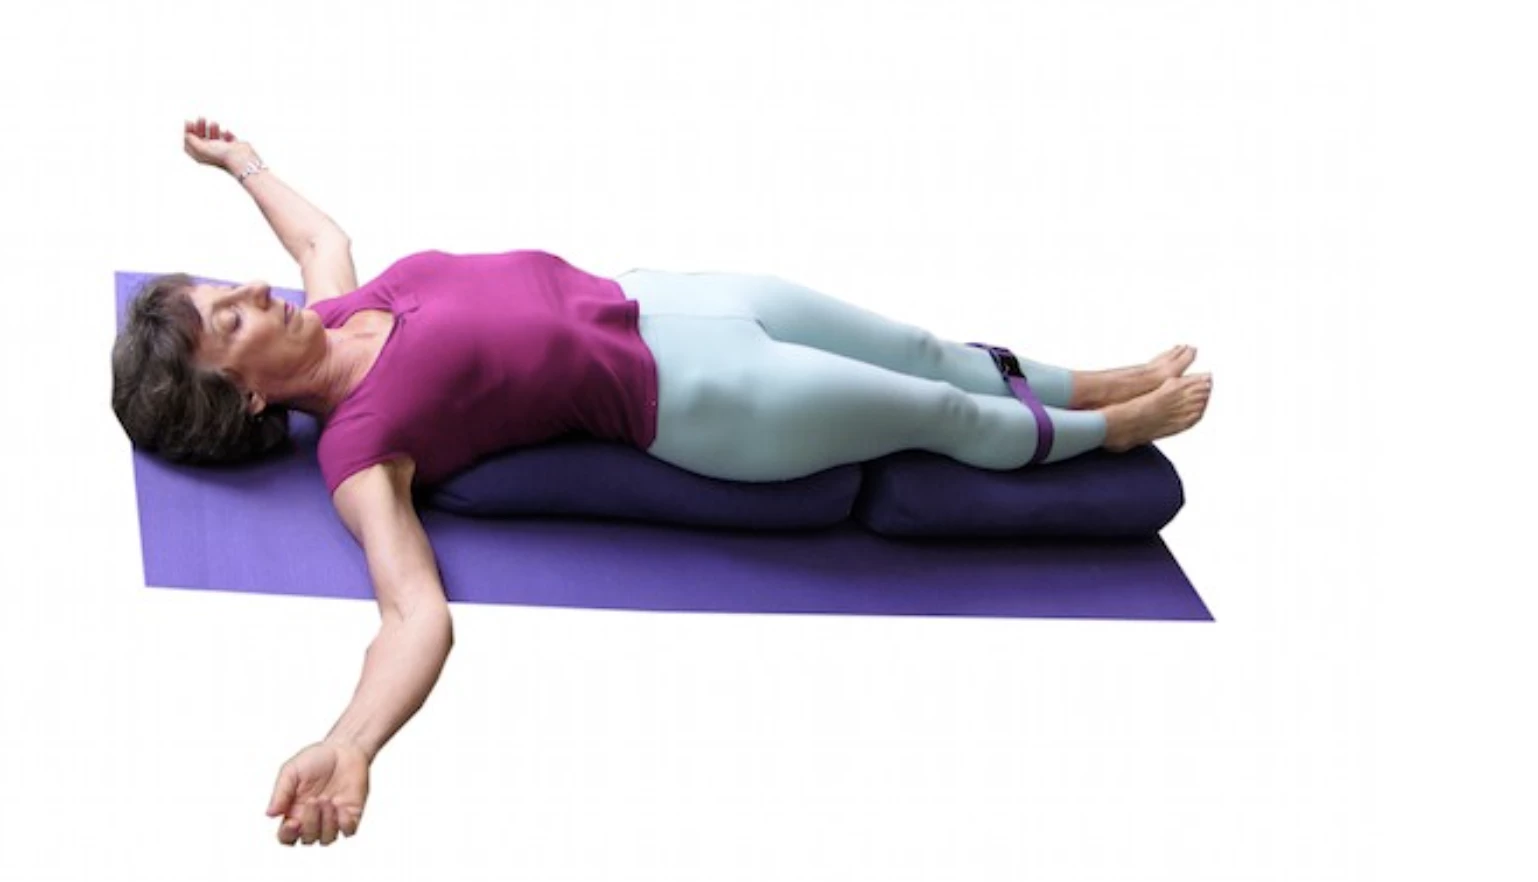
<point x="353" y="438"/>
<point x="429" y="257"/>
<point x="405" y="266"/>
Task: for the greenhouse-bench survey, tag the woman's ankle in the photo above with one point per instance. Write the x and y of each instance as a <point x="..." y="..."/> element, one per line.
<point x="1095" y="390"/>
<point x="1090" y="390"/>
<point x="1119" y="427"/>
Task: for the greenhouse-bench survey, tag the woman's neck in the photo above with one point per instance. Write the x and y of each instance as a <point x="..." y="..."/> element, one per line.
<point x="350" y="355"/>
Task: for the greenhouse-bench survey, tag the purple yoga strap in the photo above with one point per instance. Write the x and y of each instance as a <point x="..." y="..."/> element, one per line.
<point x="1009" y="367"/>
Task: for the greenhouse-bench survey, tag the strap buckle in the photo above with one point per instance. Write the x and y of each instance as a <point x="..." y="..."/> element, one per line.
<point x="1004" y="360"/>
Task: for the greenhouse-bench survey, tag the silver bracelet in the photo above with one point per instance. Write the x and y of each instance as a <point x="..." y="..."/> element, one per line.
<point x="250" y="169"/>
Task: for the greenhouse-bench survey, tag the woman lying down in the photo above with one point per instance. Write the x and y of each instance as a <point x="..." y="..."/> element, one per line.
<point x="444" y="359"/>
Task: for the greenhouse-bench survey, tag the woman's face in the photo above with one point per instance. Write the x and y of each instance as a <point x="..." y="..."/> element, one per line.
<point x="261" y="341"/>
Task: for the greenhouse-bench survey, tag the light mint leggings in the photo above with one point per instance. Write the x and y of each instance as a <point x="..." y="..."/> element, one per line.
<point x="762" y="379"/>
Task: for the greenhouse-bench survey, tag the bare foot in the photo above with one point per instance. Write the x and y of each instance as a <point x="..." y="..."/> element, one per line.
<point x="1176" y="405"/>
<point x="1173" y="363"/>
<point x="1093" y="390"/>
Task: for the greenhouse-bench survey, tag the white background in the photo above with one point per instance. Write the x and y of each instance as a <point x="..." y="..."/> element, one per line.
<point x="1332" y="199"/>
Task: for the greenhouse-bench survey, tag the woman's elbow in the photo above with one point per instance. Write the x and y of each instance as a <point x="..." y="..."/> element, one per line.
<point x="437" y="617"/>
<point x="429" y="617"/>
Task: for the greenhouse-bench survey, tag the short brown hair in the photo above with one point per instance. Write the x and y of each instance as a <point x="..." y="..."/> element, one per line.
<point x="166" y="402"/>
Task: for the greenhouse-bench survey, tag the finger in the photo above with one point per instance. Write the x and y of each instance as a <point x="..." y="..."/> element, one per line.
<point x="311" y="818"/>
<point x="202" y="126"/>
<point x="350" y="818"/>
<point x="283" y="792"/>
<point x="213" y="131"/>
<point x="288" y="831"/>
<point x="327" y="822"/>
<point x="229" y="136"/>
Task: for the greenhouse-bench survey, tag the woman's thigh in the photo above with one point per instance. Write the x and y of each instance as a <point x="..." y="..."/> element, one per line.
<point x="789" y="312"/>
<point x="794" y="313"/>
<point x="735" y="404"/>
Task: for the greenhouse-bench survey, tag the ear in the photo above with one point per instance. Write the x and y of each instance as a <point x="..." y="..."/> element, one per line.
<point x="255" y="403"/>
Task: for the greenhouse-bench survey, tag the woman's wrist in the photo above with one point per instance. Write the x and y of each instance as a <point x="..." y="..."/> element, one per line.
<point x="238" y="160"/>
<point x="368" y="752"/>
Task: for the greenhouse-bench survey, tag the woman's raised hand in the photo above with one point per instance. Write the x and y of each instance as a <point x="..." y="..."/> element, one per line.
<point x="320" y="793"/>
<point x="208" y="145"/>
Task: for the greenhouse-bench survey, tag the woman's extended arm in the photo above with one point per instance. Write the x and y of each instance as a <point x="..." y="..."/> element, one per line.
<point x="415" y="630"/>
<point x="297" y="223"/>
<point x="321" y="791"/>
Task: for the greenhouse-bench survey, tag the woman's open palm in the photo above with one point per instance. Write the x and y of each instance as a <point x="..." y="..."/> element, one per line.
<point x="320" y="793"/>
<point x="206" y="143"/>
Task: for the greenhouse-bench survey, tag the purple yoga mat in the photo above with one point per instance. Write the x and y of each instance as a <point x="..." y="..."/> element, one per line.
<point x="270" y="528"/>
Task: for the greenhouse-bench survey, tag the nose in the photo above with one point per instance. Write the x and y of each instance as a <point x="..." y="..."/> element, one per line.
<point x="260" y="292"/>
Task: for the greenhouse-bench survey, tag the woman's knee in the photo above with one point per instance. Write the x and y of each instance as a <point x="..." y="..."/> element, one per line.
<point x="927" y="349"/>
<point x="946" y="414"/>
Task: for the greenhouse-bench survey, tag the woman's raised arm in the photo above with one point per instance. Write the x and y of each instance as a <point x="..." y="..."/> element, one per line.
<point x="321" y="791"/>
<point x="297" y="223"/>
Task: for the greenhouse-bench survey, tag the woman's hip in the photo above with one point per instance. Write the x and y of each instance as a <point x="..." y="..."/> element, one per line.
<point x="695" y="294"/>
<point x="703" y="366"/>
